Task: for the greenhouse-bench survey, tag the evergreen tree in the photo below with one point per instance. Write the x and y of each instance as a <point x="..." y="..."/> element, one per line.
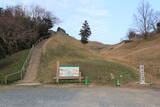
<point x="85" y="32"/>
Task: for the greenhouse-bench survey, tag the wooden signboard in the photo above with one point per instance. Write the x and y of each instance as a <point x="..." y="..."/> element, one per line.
<point x="67" y="72"/>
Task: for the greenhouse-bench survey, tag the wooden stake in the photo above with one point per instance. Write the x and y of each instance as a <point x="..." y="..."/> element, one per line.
<point x="80" y="79"/>
<point x="6" y="81"/>
<point x="57" y="75"/>
<point x="22" y="75"/>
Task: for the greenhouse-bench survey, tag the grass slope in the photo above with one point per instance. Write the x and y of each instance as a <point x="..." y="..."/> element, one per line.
<point x="12" y="64"/>
<point x="146" y="52"/>
<point x="70" y="51"/>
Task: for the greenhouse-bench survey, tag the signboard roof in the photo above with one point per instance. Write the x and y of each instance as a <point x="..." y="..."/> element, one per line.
<point x="67" y="66"/>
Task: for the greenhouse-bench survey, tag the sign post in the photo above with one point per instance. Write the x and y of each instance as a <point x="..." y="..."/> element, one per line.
<point x="57" y="75"/>
<point x="142" y="76"/>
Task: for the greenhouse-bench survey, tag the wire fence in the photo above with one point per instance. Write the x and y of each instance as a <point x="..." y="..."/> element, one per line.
<point x="5" y="79"/>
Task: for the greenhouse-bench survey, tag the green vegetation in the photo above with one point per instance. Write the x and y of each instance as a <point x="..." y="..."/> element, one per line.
<point x="99" y="71"/>
<point x="72" y="52"/>
<point x="12" y="64"/>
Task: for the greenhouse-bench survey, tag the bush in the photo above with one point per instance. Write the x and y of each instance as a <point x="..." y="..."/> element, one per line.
<point x="131" y="34"/>
<point x="158" y="27"/>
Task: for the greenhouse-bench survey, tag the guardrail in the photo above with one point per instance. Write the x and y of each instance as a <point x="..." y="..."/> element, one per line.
<point x="21" y="73"/>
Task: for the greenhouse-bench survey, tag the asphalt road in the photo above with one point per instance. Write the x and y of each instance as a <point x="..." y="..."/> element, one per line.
<point x="78" y="97"/>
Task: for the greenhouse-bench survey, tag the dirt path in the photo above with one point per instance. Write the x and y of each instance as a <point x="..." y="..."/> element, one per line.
<point x="31" y="73"/>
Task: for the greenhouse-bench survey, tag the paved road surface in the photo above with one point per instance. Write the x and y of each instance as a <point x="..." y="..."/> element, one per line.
<point x="78" y="97"/>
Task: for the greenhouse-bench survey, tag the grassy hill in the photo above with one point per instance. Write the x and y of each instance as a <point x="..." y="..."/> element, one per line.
<point x="70" y="51"/>
<point x="96" y="46"/>
<point x="12" y="64"/>
<point x="146" y="52"/>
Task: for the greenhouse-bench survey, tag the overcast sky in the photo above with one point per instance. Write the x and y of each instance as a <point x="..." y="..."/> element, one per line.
<point x="109" y="19"/>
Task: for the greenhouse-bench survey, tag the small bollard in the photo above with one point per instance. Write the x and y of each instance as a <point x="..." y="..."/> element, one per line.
<point x="86" y="81"/>
<point x="118" y="83"/>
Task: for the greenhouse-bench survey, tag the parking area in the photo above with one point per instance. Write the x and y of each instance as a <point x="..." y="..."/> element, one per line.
<point x="79" y="97"/>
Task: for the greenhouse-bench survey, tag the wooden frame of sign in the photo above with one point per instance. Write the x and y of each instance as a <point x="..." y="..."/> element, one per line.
<point x="58" y="77"/>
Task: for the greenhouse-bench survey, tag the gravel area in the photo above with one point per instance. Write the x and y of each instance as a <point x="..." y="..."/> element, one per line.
<point x="78" y="97"/>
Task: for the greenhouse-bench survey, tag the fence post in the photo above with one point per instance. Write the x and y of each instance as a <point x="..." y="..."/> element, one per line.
<point x="2" y="80"/>
<point x="6" y="79"/>
<point x="21" y="74"/>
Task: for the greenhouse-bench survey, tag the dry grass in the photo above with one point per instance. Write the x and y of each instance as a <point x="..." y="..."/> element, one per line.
<point x="146" y="52"/>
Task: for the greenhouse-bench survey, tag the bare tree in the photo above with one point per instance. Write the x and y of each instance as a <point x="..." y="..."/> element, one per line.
<point x="19" y="30"/>
<point x="155" y="19"/>
<point x="143" y="18"/>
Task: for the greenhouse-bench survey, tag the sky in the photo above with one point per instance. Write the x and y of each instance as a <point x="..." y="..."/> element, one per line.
<point x="109" y="20"/>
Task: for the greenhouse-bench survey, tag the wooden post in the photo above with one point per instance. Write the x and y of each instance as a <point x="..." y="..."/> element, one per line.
<point x="57" y="75"/>
<point x="6" y="77"/>
<point x="80" y="79"/>
<point x="22" y="75"/>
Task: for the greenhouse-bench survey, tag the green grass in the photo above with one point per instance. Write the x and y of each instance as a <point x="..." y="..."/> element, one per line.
<point x="12" y="64"/>
<point x="94" y="67"/>
<point x="99" y="71"/>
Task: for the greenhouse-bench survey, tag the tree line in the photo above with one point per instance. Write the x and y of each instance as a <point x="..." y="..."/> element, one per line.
<point x="146" y="22"/>
<point x="20" y="27"/>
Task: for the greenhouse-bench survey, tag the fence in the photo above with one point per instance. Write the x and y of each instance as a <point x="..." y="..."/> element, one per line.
<point x="1" y="78"/>
<point x="20" y="74"/>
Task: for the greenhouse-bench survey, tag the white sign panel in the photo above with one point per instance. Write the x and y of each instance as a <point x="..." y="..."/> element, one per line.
<point x="68" y="71"/>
